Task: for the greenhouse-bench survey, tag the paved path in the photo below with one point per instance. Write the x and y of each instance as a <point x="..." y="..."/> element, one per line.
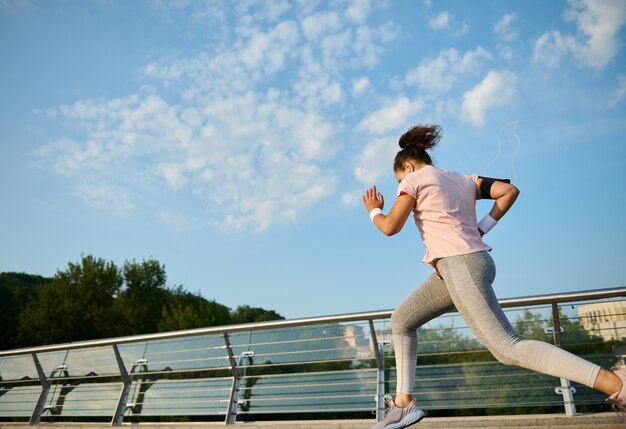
<point x="544" y="421"/>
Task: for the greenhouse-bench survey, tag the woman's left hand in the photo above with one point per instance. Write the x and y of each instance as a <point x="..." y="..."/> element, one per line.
<point x="392" y="222"/>
<point x="373" y="199"/>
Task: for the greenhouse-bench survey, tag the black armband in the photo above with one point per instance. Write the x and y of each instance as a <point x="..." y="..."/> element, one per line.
<point x="487" y="183"/>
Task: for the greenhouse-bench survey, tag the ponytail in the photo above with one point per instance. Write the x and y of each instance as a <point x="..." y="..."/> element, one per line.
<point x="414" y="144"/>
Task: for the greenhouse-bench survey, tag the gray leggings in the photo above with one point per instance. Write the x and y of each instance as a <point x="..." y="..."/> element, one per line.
<point x="466" y="285"/>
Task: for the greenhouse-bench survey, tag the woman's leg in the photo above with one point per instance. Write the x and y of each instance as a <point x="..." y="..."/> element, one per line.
<point x="468" y="279"/>
<point x="428" y="301"/>
<point x="607" y="382"/>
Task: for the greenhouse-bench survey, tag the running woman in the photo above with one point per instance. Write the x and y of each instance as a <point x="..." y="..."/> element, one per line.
<point x="443" y="204"/>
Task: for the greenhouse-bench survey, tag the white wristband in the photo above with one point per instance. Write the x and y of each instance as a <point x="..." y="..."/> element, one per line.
<point x="374" y="213"/>
<point x="487" y="223"/>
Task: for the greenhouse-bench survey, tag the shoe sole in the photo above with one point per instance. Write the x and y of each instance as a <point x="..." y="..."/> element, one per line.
<point x="407" y="421"/>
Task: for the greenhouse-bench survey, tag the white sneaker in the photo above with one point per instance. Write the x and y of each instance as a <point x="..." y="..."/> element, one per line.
<point x="397" y="417"/>
<point x="618" y="399"/>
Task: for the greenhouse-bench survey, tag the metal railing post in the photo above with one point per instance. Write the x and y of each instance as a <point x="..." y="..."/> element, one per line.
<point x="244" y="359"/>
<point x="556" y="320"/>
<point x="127" y="380"/>
<point x="565" y="389"/>
<point x="45" y="388"/>
<point x="231" y="413"/>
<point x="379" y="350"/>
<point x="118" y="416"/>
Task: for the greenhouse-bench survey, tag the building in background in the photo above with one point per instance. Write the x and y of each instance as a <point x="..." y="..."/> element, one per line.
<point x="606" y="319"/>
<point x="359" y="341"/>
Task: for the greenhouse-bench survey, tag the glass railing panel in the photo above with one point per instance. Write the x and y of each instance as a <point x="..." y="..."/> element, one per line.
<point x="596" y="331"/>
<point x="480" y="385"/>
<point x="324" y="343"/>
<point x="317" y="392"/>
<point x="177" y="355"/>
<point x="533" y="323"/>
<point x="82" y="400"/>
<point x="51" y="362"/>
<point x="91" y="362"/>
<point x="17" y="368"/>
<point x="180" y="397"/>
<point x="131" y="353"/>
<point x="18" y="400"/>
<point x="383" y="329"/>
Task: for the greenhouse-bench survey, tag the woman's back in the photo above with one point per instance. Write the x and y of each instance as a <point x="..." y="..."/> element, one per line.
<point x="445" y="211"/>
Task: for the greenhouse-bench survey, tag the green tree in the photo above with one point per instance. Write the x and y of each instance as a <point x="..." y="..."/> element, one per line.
<point x="96" y="299"/>
<point x="75" y="305"/>
<point x="140" y="301"/>
<point x="574" y="337"/>
<point x="185" y="310"/>
<point x="532" y="326"/>
<point x="16" y="290"/>
<point x="247" y="314"/>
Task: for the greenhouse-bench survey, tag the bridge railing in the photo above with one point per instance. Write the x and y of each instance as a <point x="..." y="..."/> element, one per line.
<point x="331" y="365"/>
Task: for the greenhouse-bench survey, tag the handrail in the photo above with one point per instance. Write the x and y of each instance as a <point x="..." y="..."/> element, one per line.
<point x="349" y="317"/>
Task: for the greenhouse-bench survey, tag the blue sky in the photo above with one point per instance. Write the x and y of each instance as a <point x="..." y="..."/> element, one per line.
<point x="232" y="141"/>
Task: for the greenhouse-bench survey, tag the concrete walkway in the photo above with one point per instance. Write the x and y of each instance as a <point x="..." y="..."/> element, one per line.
<point x="557" y="421"/>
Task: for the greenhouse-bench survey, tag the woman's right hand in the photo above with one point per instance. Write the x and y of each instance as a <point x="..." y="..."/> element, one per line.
<point x="373" y="199"/>
<point x="392" y="222"/>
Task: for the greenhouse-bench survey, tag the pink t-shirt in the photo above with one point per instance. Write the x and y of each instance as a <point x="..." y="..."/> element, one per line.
<point x="445" y="211"/>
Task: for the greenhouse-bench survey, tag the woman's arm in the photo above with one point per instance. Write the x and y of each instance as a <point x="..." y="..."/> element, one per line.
<point x="393" y="222"/>
<point x="504" y="195"/>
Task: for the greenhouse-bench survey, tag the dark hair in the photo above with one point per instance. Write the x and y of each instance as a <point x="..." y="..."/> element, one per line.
<point x="414" y="144"/>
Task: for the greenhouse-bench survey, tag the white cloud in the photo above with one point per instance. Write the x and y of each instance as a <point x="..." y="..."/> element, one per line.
<point x="319" y="90"/>
<point x="446" y="21"/>
<point x="360" y="85"/>
<point x="496" y="89"/>
<point x="368" y="43"/>
<point x="306" y="7"/>
<point x="505" y="52"/>
<point x="268" y="51"/>
<point x="503" y="28"/>
<point x="351" y="199"/>
<point x="598" y="23"/>
<point x="551" y="47"/>
<point x="256" y="57"/>
<point x="321" y="24"/>
<point x="394" y="115"/>
<point x="358" y="10"/>
<point x="110" y="198"/>
<point x="376" y="160"/>
<point x="188" y="14"/>
<point x="505" y="32"/>
<point x="441" y="21"/>
<point x="274" y="9"/>
<point x="254" y="158"/>
<point x="223" y="128"/>
<point x="16" y="7"/>
<point x="439" y="75"/>
<point x="619" y="93"/>
<point x="462" y="29"/>
<point x="174" y="174"/>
